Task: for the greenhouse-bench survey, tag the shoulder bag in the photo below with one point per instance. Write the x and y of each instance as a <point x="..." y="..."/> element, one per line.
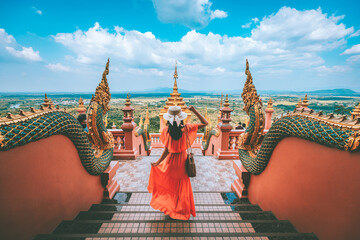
<point x="190" y="162"/>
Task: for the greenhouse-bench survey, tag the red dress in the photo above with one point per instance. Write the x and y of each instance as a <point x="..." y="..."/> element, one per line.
<point x="169" y="183"/>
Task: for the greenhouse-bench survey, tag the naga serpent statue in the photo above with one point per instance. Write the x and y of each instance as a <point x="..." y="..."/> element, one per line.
<point x="95" y="148"/>
<point x="255" y="148"/>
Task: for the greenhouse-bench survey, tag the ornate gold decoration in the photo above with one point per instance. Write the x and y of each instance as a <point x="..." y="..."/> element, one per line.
<point x="298" y="105"/>
<point x="81" y="107"/>
<point x="269" y="105"/>
<point x="24" y="116"/>
<point x="356" y="113"/>
<point x="146" y="124"/>
<point x="2" y="138"/>
<point x="249" y="94"/>
<point x="354" y="142"/>
<point x="102" y="93"/>
<point x="141" y="123"/>
<point x="251" y="141"/>
<point x="100" y="140"/>
<point x="305" y="103"/>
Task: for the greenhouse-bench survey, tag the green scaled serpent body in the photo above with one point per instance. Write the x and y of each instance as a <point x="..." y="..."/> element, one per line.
<point x="255" y="148"/>
<point x="95" y="148"/>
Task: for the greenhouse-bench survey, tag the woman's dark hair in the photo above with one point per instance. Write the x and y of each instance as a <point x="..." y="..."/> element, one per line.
<point x="174" y="130"/>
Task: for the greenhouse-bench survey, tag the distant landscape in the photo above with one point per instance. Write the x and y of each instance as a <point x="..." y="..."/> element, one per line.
<point x="339" y="101"/>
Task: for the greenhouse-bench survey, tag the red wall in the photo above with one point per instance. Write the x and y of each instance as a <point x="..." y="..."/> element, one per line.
<point x="41" y="184"/>
<point x="315" y="187"/>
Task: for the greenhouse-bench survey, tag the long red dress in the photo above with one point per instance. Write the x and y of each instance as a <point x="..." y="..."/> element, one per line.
<point x="168" y="182"/>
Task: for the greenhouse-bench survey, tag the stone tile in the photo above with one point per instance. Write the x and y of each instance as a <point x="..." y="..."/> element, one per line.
<point x="212" y="174"/>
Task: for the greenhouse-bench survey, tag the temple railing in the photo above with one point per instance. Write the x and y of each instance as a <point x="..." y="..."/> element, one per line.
<point x="119" y="139"/>
<point x="156" y="142"/>
<point x="234" y="138"/>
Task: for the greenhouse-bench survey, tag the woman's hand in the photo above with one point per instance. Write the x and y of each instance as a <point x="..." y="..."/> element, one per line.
<point x="154" y="164"/>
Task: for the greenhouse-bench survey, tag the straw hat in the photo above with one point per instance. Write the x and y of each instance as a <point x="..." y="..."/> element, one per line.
<point x="175" y="114"/>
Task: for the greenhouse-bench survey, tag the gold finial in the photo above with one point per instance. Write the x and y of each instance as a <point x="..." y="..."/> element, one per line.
<point x="206" y="113"/>
<point x="227" y="104"/>
<point x="221" y="100"/>
<point x="175" y="78"/>
<point x="127" y="102"/>
<point x="305" y="103"/>
<point x="299" y="104"/>
<point x="147" y="120"/>
<point x="47" y="102"/>
<point x="269" y="104"/>
<point x="81" y="103"/>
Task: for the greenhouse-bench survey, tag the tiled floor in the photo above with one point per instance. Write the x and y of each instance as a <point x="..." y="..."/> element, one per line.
<point x="212" y="174"/>
<point x="199" y="198"/>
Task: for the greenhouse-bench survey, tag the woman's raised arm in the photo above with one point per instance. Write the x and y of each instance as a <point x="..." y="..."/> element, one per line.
<point x="203" y="121"/>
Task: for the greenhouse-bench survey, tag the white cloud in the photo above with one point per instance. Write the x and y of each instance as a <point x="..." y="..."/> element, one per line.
<point x="5" y="38"/>
<point x="25" y="53"/>
<point x="195" y="14"/>
<point x="8" y="43"/>
<point x="37" y="11"/>
<point x="354" y="59"/>
<point x="58" y="67"/>
<point x="247" y="25"/>
<point x="355" y="34"/>
<point x="330" y="70"/>
<point x="354" y="49"/>
<point x="304" y="30"/>
<point x="218" y="14"/>
<point x="280" y="44"/>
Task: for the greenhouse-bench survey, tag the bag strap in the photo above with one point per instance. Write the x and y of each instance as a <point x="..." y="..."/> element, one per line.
<point x="188" y="140"/>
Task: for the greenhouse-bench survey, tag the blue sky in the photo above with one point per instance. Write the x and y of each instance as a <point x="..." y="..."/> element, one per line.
<point x="49" y="46"/>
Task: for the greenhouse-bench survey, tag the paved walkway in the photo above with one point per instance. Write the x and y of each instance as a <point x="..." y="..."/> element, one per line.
<point x="212" y="174"/>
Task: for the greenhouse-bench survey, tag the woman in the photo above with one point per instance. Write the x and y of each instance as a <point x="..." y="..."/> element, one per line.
<point x="169" y="183"/>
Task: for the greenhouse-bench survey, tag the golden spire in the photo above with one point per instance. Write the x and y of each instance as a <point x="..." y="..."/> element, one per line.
<point x="147" y="120"/>
<point x="175" y="88"/>
<point x="269" y="105"/>
<point x="206" y="113"/>
<point x="127" y="103"/>
<point x="221" y="100"/>
<point x="305" y="103"/>
<point x="226" y="104"/>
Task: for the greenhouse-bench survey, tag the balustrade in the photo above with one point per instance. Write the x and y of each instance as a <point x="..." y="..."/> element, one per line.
<point x="234" y="138"/>
<point x="119" y="139"/>
<point x="156" y="142"/>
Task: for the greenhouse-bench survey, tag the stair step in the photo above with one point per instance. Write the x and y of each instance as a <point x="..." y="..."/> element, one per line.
<point x="199" y="198"/>
<point x="173" y="226"/>
<point x="182" y="236"/>
<point x="156" y="215"/>
<point x="198" y="207"/>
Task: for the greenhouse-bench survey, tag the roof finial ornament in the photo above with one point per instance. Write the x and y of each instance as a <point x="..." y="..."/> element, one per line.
<point x="305" y="103"/>
<point x="175" y="78"/>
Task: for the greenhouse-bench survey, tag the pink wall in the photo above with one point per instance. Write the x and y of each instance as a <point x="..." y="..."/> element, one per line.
<point x="41" y="184"/>
<point x="315" y="187"/>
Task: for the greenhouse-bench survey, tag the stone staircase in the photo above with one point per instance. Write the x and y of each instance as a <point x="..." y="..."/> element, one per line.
<point x="128" y="216"/>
